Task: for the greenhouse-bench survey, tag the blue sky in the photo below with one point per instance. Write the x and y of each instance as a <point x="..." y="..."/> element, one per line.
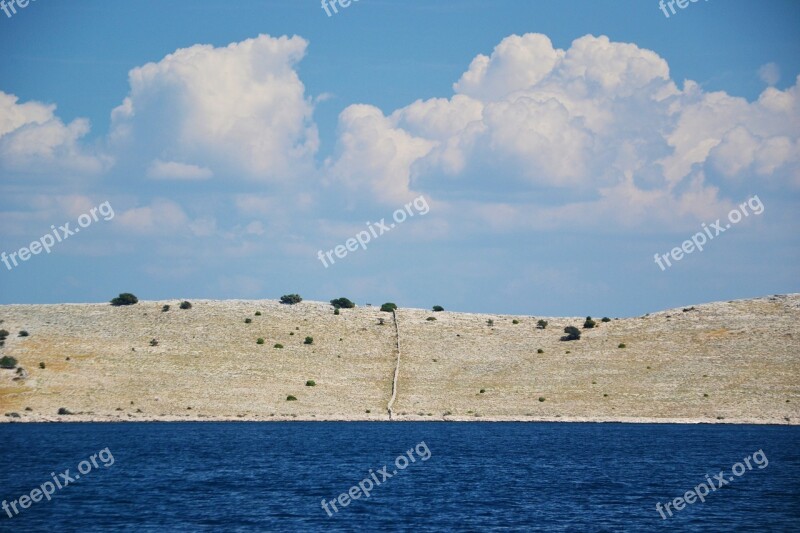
<point x="558" y="145"/>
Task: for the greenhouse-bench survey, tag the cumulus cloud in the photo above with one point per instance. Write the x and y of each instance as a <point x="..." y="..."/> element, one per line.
<point x="236" y="110"/>
<point x="33" y="139"/>
<point x="376" y="154"/>
<point x="769" y="73"/>
<point x="171" y="170"/>
<point x="601" y="120"/>
<point x="160" y="217"/>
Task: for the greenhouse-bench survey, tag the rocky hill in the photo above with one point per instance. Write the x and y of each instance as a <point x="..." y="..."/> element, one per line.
<point x="721" y="362"/>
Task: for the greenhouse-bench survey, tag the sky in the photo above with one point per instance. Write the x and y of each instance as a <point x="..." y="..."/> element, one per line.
<point x="510" y="156"/>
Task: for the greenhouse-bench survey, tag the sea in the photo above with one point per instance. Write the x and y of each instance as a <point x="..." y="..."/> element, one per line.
<point x="398" y="476"/>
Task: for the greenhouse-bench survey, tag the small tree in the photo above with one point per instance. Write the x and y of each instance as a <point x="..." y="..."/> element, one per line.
<point x="291" y="299"/>
<point x="589" y="324"/>
<point x="490" y="322"/>
<point x="541" y="324"/>
<point x="438" y="308"/>
<point x="605" y="319"/>
<point x="186" y="305"/>
<point x="23" y="333"/>
<point x="342" y="303"/>
<point x="309" y="340"/>
<point x="336" y="311"/>
<point x="572" y="334"/>
<point x="388" y="307"/>
<point x="8" y="362"/>
<point x="124" y="298"/>
<point x="165" y="309"/>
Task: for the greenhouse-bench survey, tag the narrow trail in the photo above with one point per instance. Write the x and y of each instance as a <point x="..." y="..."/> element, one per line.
<point x="396" y="368"/>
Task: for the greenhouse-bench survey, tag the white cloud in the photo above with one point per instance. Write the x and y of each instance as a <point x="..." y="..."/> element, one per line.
<point x="236" y="110"/>
<point x="375" y="154"/>
<point x="769" y="73"/>
<point x="601" y="121"/>
<point x="160" y="217"/>
<point x="517" y="63"/>
<point x="171" y="170"/>
<point x="34" y="139"/>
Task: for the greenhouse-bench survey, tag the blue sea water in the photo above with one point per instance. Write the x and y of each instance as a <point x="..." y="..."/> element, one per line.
<point x="477" y="477"/>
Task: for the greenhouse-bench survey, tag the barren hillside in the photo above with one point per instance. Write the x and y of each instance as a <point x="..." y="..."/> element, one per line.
<point x="722" y="362"/>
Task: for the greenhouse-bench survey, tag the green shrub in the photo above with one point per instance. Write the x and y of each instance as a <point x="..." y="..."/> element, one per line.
<point x="260" y="340"/>
<point x="23" y="333"/>
<point x="311" y="383"/>
<point x="541" y="324"/>
<point x="8" y="362"/>
<point x="515" y="321"/>
<point x="153" y="342"/>
<point x="336" y="311"/>
<point x="165" y="309"/>
<point x="541" y="398"/>
<point x="438" y="308"/>
<point x="125" y="298"/>
<point x="622" y="345"/>
<point x="64" y="411"/>
<point x="342" y="303"/>
<point x="483" y="390"/>
<point x="309" y="340"/>
<point x="539" y="351"/>
<point x="279" y="346"/>
<point x="572" y="334"/>
<point x="3" y="334"/>
<point x="291" y="398"/>
<point x="185" y="305"/>
<point x="291" y="299"/>
<point x="431" y="319"/>
<point x="42" y="365"/>
<point x="291" y="333"/>
<point x="605" y="319"/>
<point x="589" y="324"/>
<point x="258" y="313"/>
<point x="248" y="320"/>
<point x="490" y="322"/>
<point x="388" y="307"/>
